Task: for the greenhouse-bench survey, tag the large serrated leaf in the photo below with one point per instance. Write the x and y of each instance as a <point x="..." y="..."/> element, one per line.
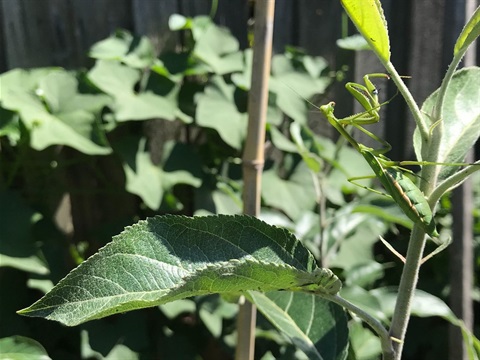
<point x="167" y="258"/>
<point x="316" y="326"/>
<point x="461" y="119"/>
<point x="368" y="17"/>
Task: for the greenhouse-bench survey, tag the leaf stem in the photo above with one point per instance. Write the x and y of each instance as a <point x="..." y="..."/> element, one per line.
<point x="417" y="115"/>
<point x="387" y="348"/>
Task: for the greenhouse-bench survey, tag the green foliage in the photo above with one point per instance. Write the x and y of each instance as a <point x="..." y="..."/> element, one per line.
<point x="22" y="348"/>
<point x="315" y="325"/>
<point x="180" y="257"/>
<point x="195" y="101"/>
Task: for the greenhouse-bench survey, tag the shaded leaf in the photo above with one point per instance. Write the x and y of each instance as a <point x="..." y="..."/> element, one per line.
<point x="314" y="325"/>
<point x="365" y="343"/>
<point x="22" y="348"/>
<point x="216" y="109"/>
<point x="219" y="49"/>
<point x="150" y="181"/>
<point x="119" y="81"/>
<point x="136" y="52"/>
<point x="294" y="195"/>
<point x="71" y="120"/>
<point x="167" y="258"/>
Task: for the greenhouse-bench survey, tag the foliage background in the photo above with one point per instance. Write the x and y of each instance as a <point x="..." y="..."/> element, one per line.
<point x="139" y="136"/>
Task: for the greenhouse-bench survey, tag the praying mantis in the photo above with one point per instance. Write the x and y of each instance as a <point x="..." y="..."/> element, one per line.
<point x="398" y="186"/>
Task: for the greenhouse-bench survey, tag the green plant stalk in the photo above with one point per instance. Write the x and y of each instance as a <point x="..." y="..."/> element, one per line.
<point x="452" y="182"/>
<point x="387" y="349"/>
<point x="414" y="109"/>
<point x="406" y="289"/>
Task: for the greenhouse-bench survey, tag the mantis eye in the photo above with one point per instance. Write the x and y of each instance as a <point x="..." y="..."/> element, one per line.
<point x="375" y="92"/>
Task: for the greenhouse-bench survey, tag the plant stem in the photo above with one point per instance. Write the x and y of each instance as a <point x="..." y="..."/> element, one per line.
<point x="387" y="349"/>
<point x="406" y="289"/>
<point x="417" y="115"/>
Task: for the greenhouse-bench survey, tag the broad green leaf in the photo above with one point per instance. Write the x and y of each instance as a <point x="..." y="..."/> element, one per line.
<point x="150" y="181"/>
<point x="364" y="274"/>
<point x="313" y="161"/>
<point x="178" y="22"/>
<point x="294" y="195"/>
<point x="368" y="17"/>
<point x="470" y="32"/>
<point x="280" y="141"/>
<point x="365" y="343"/>
<point x="122" y="46"/>
<point x="216" y="109"/>
<point x="10" y="125"/>
<point x="461" y="122"/>
<point x="166" y="258"/>
<point x="355" y="42"/>
<point x="22" y="348"/>
<point x="364" y="300"/>
<point x="355" y="233"/>
<point x="219" y="49"/>
<point x="292" y="87"/>
<point x="71" y="120"/>
<point x="314" y="325"/>
<point x="119" y="81"/>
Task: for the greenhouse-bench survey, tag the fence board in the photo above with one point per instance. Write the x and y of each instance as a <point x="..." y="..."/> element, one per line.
<point x="57" y="32"/>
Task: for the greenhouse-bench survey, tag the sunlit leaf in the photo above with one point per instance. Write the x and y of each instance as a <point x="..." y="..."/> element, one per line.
<point x="167" y="258"/>
<point x="470" y="32"/>
<point x="368" y="17"/>
<point x="461" y="122"/>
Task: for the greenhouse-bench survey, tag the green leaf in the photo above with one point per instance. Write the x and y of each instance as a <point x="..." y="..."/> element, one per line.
<point x="469" y="33"/>
<point x="216" y="109"/>
<point x="314" y="325"/>
<point x="280" y="141"/>
<point x="22" y="348"/>
<point x="166" y="258"/>
<point x="71" y="117"/>
<point x="292" y="87"/>
<point x="219" y="49"/>
<point x="119" y="81"/>
<point x="178" y="22"/>
<point x="461" y="122"/>
<point x="150" y="181"/>
<point x="365" y="300"/>
<point x="294" y="195"/>
<point x="355" y="42"/>
<point x="365" y="344"/>
<point x="356" y="233"/>
<point x="368" y="17"/>
<point x="136" y="52"/>
<point x="17" y="246"/>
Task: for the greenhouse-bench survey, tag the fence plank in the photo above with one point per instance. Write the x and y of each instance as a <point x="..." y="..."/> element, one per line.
<point x="56" y="32"/>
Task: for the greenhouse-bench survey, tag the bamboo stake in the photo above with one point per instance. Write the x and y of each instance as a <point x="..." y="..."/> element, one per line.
<point x="253" y="156"/>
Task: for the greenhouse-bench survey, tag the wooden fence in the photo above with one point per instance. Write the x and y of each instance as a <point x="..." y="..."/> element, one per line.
<point x="36" y="33"/>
